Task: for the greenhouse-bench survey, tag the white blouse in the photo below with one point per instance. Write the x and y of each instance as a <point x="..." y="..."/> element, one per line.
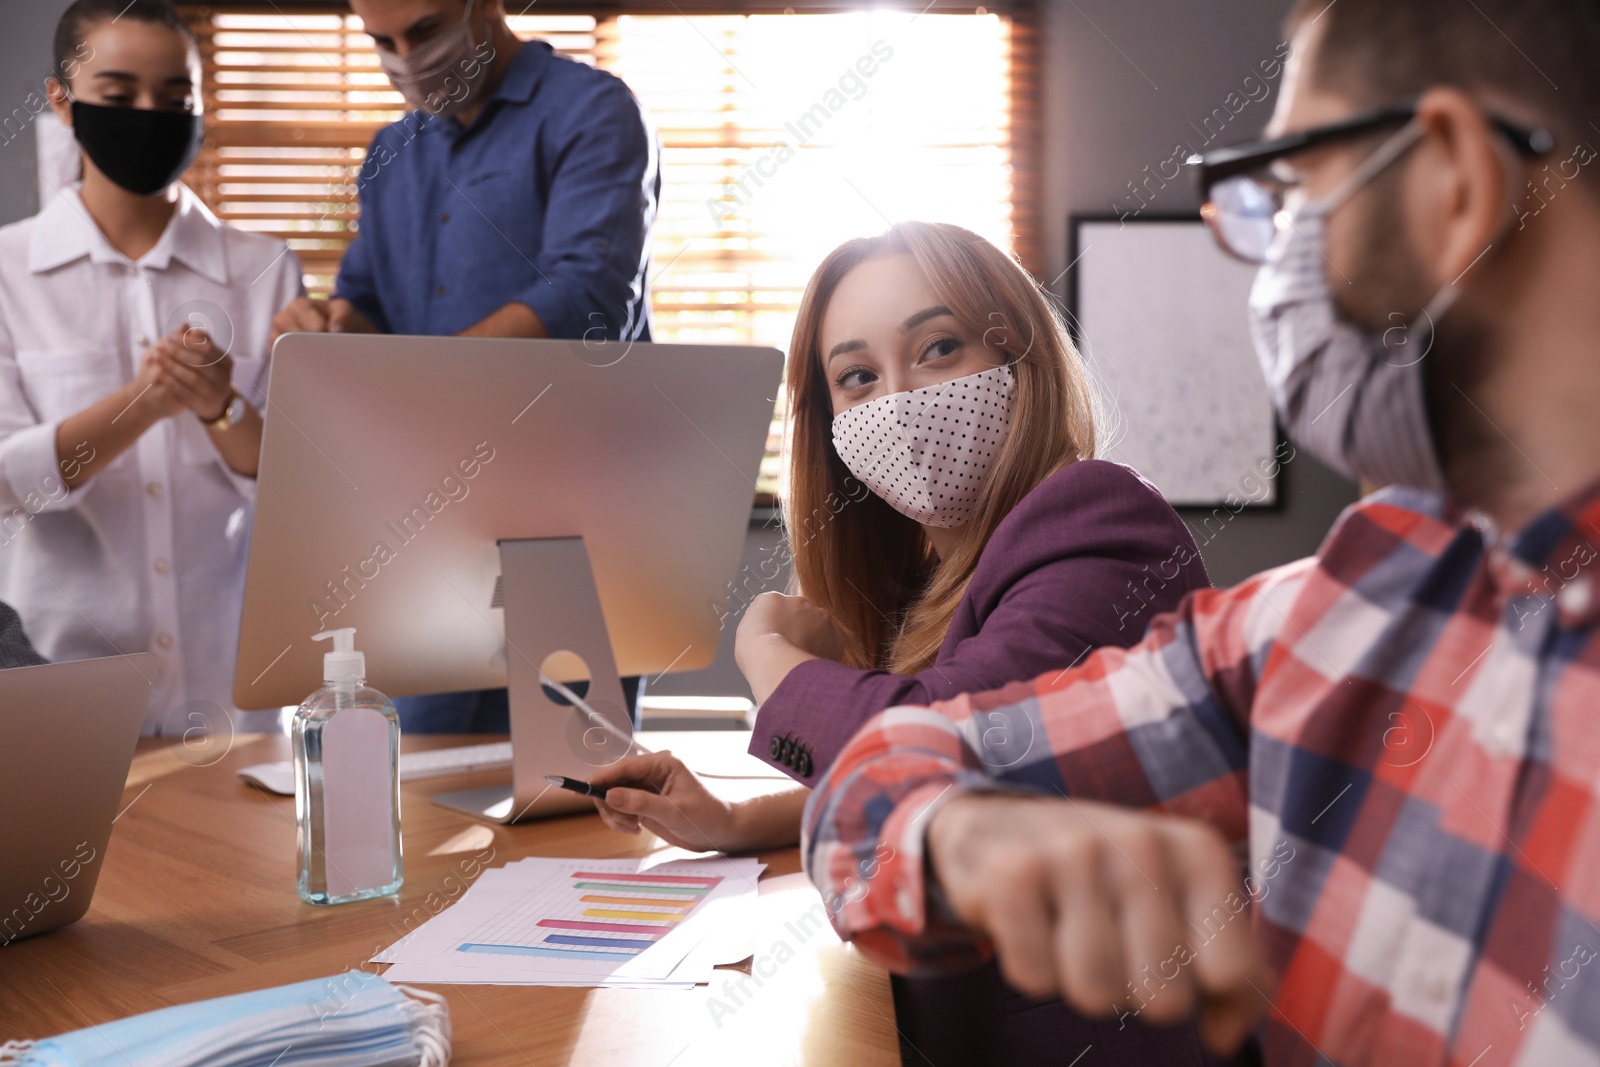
<point x="149" y="554"/>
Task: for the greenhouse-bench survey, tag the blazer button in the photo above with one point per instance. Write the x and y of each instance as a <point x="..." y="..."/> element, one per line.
<point x="805" y="764"/>
<point x="776" y="748"/>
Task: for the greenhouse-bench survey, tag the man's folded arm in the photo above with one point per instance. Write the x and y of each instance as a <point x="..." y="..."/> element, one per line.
<point x="1163" y="726"/>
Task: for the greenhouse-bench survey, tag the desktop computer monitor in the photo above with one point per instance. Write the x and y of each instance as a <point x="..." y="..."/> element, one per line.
<point x="486" y="511"/>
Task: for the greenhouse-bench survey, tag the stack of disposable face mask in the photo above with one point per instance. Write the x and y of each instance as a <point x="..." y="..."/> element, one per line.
<point x="353" y="1019"/>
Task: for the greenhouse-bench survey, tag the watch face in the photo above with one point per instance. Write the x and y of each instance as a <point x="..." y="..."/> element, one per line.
<point x="235" y="410"/>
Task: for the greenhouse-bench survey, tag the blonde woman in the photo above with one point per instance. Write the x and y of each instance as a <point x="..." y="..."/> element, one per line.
<point x="951" y="532"/>
<point x="949" y="526"/>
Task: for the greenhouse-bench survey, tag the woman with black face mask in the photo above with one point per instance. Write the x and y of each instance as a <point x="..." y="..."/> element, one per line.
<point x="133" y="359"/>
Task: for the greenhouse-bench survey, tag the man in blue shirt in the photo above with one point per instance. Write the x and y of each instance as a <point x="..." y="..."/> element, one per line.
<point x="516" y="200"/>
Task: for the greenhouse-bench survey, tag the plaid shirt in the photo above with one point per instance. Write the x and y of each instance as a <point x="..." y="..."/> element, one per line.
<point x="1404" y="734"/>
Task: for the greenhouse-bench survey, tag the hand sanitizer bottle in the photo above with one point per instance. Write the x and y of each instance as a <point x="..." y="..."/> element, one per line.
<point x="346" y="742"/>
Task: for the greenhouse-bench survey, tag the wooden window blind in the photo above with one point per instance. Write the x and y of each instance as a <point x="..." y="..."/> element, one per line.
<point x="782" y="135"/>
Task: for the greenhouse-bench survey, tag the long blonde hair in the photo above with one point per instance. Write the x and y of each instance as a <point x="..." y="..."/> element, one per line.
<point x="869" y="567"/>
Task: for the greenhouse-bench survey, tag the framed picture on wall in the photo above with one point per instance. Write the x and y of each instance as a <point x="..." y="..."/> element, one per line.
<point x="1159" y="314"/>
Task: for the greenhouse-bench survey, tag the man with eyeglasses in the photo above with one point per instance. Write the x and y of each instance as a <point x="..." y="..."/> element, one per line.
<point x="1348" y="807"/>
<point x="515" y="200"/>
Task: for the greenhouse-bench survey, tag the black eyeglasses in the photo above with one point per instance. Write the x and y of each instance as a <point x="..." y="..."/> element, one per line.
<point x="1242" y="197"/>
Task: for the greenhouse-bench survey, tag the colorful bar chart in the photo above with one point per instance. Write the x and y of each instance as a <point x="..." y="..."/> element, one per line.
<point x="571" y="921"/>
<point x="597" y="916"/>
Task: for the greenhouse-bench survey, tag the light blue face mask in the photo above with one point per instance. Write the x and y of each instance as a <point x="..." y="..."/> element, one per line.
<point x="353" y="1018"/>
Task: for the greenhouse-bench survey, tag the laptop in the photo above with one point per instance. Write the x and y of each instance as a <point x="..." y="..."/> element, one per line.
<point x="67" y="735"/>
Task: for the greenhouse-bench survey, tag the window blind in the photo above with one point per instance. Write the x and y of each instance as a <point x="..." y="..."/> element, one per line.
<point x="781" y="135"/>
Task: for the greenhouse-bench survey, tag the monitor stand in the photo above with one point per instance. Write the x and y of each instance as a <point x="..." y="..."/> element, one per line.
<point x="551" y="605"/>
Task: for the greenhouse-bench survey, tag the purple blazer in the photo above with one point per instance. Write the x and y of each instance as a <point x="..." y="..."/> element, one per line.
<point x="1086" y="559"/>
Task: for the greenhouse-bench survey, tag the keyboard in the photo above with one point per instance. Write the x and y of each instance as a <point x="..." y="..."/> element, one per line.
<point x="438" y="762"/>
<point x="435" y="763"/>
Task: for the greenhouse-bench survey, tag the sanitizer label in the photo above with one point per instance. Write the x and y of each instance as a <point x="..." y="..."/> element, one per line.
<point x="358" y="802"/>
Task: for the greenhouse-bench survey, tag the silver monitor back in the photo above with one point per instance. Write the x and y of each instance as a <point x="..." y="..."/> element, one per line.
<point x="392" y="467"/>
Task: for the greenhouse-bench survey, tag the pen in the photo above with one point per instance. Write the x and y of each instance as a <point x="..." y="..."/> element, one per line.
<point x="574" y="785"/>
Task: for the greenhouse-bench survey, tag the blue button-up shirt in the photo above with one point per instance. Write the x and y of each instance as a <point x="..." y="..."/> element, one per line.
<point x="546" y="199"/>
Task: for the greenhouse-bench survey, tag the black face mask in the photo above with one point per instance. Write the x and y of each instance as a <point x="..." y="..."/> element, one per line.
<point x="141" y="150"/>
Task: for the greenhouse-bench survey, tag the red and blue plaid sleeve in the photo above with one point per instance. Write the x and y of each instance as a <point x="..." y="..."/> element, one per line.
<point x="1162" y="726"/>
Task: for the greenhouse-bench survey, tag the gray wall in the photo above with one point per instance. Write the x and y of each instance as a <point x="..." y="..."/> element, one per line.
<point x="26" y="30"/>
<point x="1124" y="85"/>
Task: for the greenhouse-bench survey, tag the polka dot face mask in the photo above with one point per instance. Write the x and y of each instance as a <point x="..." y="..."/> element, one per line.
<point x="927" y="451"/>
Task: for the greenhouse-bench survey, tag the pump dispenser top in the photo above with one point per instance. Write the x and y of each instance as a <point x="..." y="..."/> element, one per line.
<point x="344" y="664"/>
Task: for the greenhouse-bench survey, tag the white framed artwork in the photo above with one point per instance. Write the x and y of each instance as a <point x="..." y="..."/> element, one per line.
<point x="1158" y="311"/>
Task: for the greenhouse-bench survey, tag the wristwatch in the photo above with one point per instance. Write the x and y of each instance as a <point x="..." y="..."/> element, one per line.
<point x="231" y="415"/>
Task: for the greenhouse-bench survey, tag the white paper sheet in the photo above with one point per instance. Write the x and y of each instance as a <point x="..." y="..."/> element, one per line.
<point x="541" y="921"/>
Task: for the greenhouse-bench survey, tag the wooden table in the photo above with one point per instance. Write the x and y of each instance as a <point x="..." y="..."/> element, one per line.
<point x="197" y="899"/>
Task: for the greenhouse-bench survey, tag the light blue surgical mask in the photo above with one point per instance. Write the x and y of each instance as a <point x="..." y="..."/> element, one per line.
<point x="354" y="1019"/>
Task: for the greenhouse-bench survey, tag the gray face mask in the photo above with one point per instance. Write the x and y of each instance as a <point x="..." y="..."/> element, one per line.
<point x="1353" y="399"/>
<point x="445" y="74"/>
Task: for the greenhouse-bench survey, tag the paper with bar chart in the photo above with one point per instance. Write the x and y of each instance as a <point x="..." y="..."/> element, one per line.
<point x="579" y="922"/>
